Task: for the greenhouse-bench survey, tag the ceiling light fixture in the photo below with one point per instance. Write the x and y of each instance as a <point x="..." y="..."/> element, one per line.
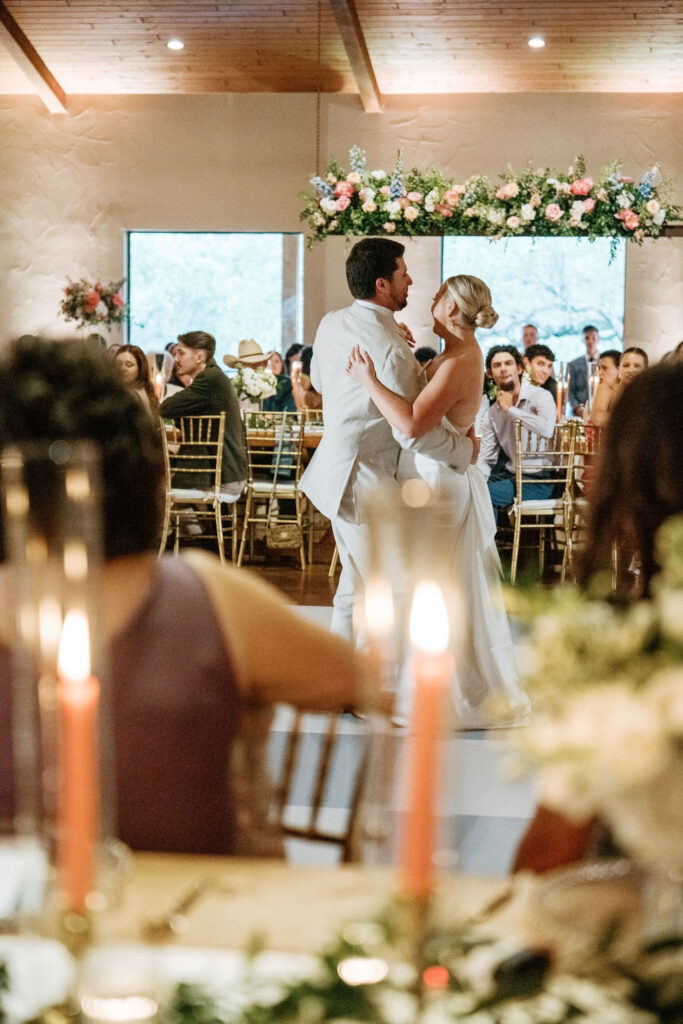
<point x="537" y="42"/>
<point x="175" y="44"/>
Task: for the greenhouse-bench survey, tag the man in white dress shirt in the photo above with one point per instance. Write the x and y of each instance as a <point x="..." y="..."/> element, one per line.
<point x="517" y="399"/>
<point x="359" y="448"/>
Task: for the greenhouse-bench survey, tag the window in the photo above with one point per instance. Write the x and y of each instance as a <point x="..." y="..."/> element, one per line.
<point x="233" y="285"/>
<point x="558" y="284"/>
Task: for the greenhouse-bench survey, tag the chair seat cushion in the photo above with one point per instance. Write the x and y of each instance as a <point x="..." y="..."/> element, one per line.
<point x="541" y="505"/>
<point x="191" y="494"/>
<point x="265" y="487"/>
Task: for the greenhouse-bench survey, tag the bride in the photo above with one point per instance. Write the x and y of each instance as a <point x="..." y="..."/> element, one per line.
<point x="452" y="395"/>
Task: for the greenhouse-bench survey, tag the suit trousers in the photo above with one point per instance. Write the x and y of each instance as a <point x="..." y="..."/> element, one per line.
<point x="352" y="542"/>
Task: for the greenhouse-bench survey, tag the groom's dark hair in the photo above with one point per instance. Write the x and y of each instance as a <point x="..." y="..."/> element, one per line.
<point x="369" y="259"/>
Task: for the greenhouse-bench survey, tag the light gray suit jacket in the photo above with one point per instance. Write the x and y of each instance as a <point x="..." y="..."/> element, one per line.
<point x="359" y="448"/>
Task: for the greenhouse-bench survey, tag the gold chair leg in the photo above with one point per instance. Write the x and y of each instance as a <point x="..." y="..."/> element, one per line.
<point x="165" y="528"/>
<point x="218" y="515"/>
<point x="300" y="523"/>
<point x="245" y="527"/>
<point x="176" y="539"/>
<point x="233" y="509"/>
<point x="515" y="549"/>
<point x="541" y="550"/>
<point x="333" y="564"/>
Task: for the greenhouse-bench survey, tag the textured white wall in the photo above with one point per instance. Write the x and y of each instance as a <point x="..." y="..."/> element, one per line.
<point x="71" y="186"/>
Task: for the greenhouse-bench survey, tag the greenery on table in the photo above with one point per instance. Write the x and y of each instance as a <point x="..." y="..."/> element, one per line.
<point x="537" y="201"/>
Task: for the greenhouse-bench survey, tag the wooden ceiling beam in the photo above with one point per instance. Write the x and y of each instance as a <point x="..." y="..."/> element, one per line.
<point x="25" y="55"/>
<point x="351" y="32"/>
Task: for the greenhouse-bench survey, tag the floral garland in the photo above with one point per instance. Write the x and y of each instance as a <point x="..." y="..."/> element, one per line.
<point x="94" y="304"/>
<point x="536" y="202"/>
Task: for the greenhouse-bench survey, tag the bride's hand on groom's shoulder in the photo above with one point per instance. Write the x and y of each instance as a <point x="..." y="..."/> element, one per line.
<point x="407" y="334"/>
<point x="360" y="366"/>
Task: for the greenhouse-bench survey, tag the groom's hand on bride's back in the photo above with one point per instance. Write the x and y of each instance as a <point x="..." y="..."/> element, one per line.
<point x="476" y="444"/>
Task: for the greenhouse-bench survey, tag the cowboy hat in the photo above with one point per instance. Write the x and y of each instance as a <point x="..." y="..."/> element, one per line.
<point x="248" y="351"/>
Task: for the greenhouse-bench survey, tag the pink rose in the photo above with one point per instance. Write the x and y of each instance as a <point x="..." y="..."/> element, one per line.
<point x="513" y="222"/>
<point x="582" y="186"/>
<point x="343" y="188"/>
<point x="411" y="213"/>
<point x="342" y="203"/>
<point x="553" y="211"/>
<point x="508" y="191"/>
<point x="389" y="227"/>
<point x="415" y="197"/>
<point x="588" y="205"/>
<point x="445" y="211"/>
<point x="452" y="197"/>
<point x="117" y="299"/>
<point x="631" y="220"/>
<point x="385" y="190"/>
<point x="92" y="298"/>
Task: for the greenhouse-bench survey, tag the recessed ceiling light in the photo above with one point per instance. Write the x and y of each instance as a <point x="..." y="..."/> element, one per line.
<point x="175" y="44"/>
<point x="537" y="42"/>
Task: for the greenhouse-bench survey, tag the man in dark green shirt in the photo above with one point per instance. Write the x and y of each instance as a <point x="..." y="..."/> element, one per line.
<point x="209" y="394"/>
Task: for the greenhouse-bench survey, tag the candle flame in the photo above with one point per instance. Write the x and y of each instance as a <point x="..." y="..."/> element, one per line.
<point x="74" y="648"/>
<point x="429" y="618"/>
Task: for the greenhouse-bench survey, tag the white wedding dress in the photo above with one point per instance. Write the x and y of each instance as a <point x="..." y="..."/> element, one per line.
<point x="485" y="690"/>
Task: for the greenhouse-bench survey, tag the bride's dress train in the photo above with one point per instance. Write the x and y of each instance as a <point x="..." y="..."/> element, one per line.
<point x="485" y="691"/>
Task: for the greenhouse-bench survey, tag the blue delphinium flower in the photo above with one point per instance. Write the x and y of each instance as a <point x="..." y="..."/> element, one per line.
<point x="323" y="188"/>
<point x="647" y="184"/>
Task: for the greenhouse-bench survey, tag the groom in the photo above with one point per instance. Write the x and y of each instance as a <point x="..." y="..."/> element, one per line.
<point x="359" y="449"/>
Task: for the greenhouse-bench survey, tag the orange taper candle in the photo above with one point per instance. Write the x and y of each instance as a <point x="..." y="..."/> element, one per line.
<point x="78" y="808"/>
<point x="432" y="667"/>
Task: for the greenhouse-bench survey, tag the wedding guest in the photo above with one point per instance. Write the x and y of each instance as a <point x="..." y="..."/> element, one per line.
<point x="131" y="362"/>
<point x="209" y="394"/>
<point x="516" y="399"/>
<point x="193" y="672"/>
<point x="293" y="354"/>
<point x="578" y="370"/>
<point x="539" y="360"/>
<point x="529" y="336"/>
<point x="607" y="390"/>
<point x="633" y="362"/>
<point x="305" y="395"/>
<point x="282" y="400"/>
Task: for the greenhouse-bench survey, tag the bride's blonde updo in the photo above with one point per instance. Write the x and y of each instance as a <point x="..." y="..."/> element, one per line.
<point x="473" y="298"/>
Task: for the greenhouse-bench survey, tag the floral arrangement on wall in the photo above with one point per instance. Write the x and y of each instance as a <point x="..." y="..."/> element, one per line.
<point x="538" y="201"/>
<point x="96" y="305"/>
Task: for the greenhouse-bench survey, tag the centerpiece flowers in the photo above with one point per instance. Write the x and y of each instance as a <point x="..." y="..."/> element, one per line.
<point x="95" y="305"/>
<point x="534" y="202"/>
<point x="253" y="383"/>
<point x="607" y="737"/>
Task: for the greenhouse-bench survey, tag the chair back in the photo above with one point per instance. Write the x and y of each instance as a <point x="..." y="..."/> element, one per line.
<point x="541" y="460"/>
<point x="194" y="459"/>
<point x="274" y="443"/>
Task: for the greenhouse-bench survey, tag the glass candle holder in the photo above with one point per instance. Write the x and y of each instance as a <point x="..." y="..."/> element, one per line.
<point x="410" y="620"/>
<point x="562" y="390"/>
<point x="61" y="737"/>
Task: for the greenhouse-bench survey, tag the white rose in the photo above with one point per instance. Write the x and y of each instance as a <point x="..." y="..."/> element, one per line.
<point x="378" y="175"/>
<point x="659" y="217"/>
<point x="366" y="194"/>
<point x="623" y="200"/>
<point x="101" y="308"/>
<point x="495" y="216"/>
<point x="353" y="177"/>
<point x="392" y="206"/>
<point x="652" y="206"/>
<point x="528" y="212"/>
<point x="329" y="205"/>
<point x="577" y="209"/>
<point x="429" y="205"/>
<point x="411" y="212"/>
<point x="369" y="206"/>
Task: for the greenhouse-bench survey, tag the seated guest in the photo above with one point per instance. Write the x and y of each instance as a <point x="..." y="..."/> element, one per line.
<point x="539" y="360"/>
<point x="282" y="400"/>
<point x="632" y="363"/>
<point x="516" y="399"/>
<point x="292" y="355"/>
<point x="192" y="668"/>
<point x="305" y="395"/>
<point x="578" y="370"/>
<point x="529" y="336"/>
<point x="209" y="394"/>
<point x="607" y="390"/>
<point x="131" y="362"/>
<point x="638" y="487"/>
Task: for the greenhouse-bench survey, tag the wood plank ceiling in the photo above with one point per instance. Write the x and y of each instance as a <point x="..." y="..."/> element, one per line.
<point x="421" y="46"/>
